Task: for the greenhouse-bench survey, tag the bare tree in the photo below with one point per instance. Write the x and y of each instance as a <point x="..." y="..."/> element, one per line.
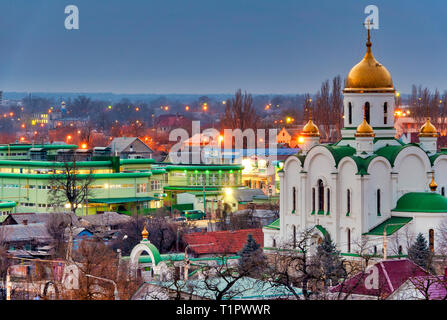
<point x="70" y="187"/>
<point x="240" y="113"/>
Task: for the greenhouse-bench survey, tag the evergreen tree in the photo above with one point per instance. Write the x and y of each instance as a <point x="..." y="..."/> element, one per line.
<point x="252" y="259"/>
<point x="420" y="253"/>
<point x="328" y="261"/>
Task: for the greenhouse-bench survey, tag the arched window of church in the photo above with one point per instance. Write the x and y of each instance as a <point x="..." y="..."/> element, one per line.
<point x="385" y="113"/>
<point x="313" y="200"/>
<point x="443" y="191"/>
<point x="274" y="243"/>
<point x="400" y="250"/>
<point x="320" y="195"/>
<point x="431" y="239"/>
<point x="328" y="200"/>
<point x="293" y="199"/>
<point x="375" y="250"/>
<point x="350" y="113"/>
<point x="348" y="203"/>
<point x="294" y="237"/>
<point x="367" y="111"/>
<point x="349" y="239"/>
<point x="378" y="202"/>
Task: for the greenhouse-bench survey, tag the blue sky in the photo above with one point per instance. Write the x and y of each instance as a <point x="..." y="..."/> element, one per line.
<point x="208" y="46"/>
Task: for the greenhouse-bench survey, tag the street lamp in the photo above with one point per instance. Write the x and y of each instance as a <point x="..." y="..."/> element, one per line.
<point x="115" y="292"/>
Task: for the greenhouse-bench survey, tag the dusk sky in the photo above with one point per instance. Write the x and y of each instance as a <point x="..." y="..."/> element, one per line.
<point x="208" y="46"/>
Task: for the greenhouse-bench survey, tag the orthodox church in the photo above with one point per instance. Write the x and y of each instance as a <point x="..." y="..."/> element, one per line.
<point x="368" y="186"/>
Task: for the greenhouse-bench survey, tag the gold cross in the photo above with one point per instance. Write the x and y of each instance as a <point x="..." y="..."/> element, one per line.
<point x="368" y="24"/>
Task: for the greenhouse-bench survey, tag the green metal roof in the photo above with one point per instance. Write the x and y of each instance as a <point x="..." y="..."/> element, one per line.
<point x="391" y="152"/>
<point x="322" y="229"/>
<point x="29" y="146"/>
<point x="204" y="167"/>
<point x="192" y="188"/>
<point x="52" y="164"/>
<point x="121" y="200"/>
<point x="79" y="176"/>
<point x="421" y="202"/>
<point x="435" y="156"/>
<point x="153" y="249"/>
<point x="137" y="161"/>
<point x="7" y="204"/>
<point x="392" y="225"/>
<point x="274" y="225"/>
<point x="339" y="152"/>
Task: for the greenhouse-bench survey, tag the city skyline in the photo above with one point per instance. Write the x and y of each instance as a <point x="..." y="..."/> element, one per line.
<point x="201" y="47"/>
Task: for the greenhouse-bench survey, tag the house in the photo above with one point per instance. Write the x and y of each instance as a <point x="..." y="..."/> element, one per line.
<point x="422" y="288"/>
<point x="130" y="148"/>
<point x="26" y="218"/>
<point x="220" y="242"/>
<point x="380" y="280"/>
<point x="27" y="237"/>
<point x="289" y="136"/>
<point x="105" y="221"/>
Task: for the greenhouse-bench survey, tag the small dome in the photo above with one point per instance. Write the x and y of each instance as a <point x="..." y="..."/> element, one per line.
<point x="433" y="185"/>
<point x="310" y="130"/>
<point x="144" y="233"/>
<point x="369" y="75"/>
<point x="428" y="130"/>
<point x="364" y="130"/>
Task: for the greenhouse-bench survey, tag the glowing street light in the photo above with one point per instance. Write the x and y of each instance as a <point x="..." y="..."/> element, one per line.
<point x="187" y="108"/>
<point x="84" y="146"/>
<point x="300" y="139"/>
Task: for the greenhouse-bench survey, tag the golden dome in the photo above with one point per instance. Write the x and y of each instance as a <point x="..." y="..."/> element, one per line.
<point x="433" y="185"/>
<point x="310" y="130"/>
<point x="369" y="75"/>
<point x="365" y="130"/>
<point x="144" y="233"/>
<point x="428" y="130"/>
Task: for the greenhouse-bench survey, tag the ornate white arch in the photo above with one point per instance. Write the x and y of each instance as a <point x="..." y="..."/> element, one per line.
<point x="412" y="150"/>
<point x="317" y="150"/>
<point x="144" y="246"/>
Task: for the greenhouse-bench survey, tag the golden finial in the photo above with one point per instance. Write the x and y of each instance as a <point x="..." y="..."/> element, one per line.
<point x="144" y="233"/>
<point x="310" y="129"/>
<point x="433" y="185"/>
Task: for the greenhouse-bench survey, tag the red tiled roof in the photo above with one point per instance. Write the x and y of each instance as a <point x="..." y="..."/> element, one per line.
<point x="391" y="275"/>
<point x="229" y="242"/>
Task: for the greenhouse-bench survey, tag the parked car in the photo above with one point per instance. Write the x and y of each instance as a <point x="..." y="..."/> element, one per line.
<point x="193" y="214"/>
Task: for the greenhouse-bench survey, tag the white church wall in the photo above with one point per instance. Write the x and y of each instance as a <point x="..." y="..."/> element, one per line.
<point x="440" y="169"/>
<point x="412" y="165"/>
<point x="379" y="179"/>
<point x="348" y="181"/>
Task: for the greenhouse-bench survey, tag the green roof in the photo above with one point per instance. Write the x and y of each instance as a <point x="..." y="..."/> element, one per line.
<point x="52" y="164"/>
<point x="339" y="152"/>
<point x="7" y="204"/>
<point x="79" y="176"/>
<point x="121" y="200"/>
<point x="204" y="167"/>
<point x="153" y="249"/>
<point x="137" y="161"/>
<point x="322" y="229"/>
<point x="45" y="146"/>
<point x="421" y="202"/>
<point x="274" y="225"/>
<point x="392" y="225"/>
<point x="391" y="152"/>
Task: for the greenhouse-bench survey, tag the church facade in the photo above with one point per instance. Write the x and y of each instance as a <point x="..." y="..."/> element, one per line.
<point x="369" y="185"/>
